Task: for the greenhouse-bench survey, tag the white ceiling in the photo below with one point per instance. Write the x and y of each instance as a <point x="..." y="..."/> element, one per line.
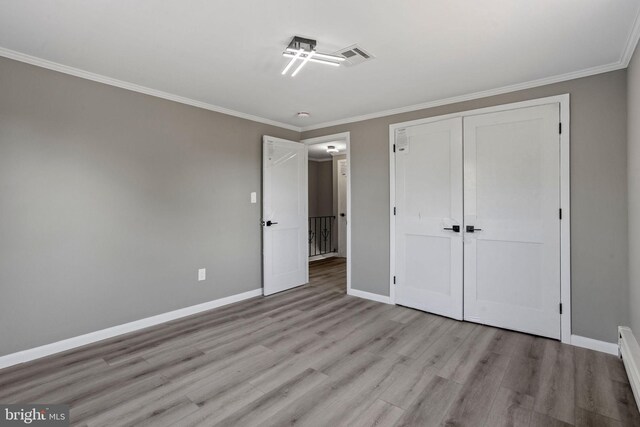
<point x="226" y="55"/>
<point x="319" y="151"/>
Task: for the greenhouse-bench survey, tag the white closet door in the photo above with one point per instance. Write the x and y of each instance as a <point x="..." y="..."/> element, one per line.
<point x="428" y="207"/>
<point x="512" y="198"/>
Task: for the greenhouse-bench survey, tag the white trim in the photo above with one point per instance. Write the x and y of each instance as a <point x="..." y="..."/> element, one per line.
<point x="475" y="95"/>
<point x="591" y="344"/>
<point x="323" y="256"/>
<point x="22" y="57"/>
<point x="565" y="196"/>
<point x="632" y="42"/>
<point x="623" y="62"/>
<point x="565" y="223"/>
<point x="92" y="337"/>
<point x="369" y="296"/>
<point x="630" y="354"/>
<point x="344" y="136"/>
<point x="392" y="216"/>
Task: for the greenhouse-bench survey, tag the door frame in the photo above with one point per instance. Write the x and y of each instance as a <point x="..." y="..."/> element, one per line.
<point x="346" y="137"/>
<point x="565" y="194"/>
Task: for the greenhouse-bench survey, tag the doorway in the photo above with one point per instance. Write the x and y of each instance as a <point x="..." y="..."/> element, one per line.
<point x="480" y="216"/>
<point x="329" y="210"/>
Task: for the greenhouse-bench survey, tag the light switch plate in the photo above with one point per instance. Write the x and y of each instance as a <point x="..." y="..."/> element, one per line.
<point x="202" y="274"/>
<point x="254" y="197"/>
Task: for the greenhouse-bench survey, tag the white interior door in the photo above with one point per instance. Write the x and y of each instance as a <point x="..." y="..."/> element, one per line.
<point x="512" y="199"/>
<point x="284" y="212"/>
<point x="342" y="207"/>
<point x="428" y="212"/>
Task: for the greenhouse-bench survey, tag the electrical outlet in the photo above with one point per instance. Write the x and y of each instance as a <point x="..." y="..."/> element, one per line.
<point x="202" y="274"/>
<point x="254" y="197"/>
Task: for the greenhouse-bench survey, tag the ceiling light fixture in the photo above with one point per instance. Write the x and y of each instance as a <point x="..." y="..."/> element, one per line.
<point x="302" y="64"/>
<point x="318" y="61"/>
<point x="332" y="149"/>
<point x="303" y="115"/>
<point x="305" y="50"/>
<point x="293" y="60"/>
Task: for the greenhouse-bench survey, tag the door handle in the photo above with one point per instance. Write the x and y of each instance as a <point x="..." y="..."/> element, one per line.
<point x="472" y="229"/>
<point x="454" y="228"/>
<point x="270" y="223"/>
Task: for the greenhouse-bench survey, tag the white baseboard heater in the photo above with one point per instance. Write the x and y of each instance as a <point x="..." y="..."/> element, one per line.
<point x="630" y="353"/>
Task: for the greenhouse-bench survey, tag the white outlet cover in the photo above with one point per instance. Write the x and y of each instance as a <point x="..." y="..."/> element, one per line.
<point x="202" y="274"/>
<point x="254" y="197"/>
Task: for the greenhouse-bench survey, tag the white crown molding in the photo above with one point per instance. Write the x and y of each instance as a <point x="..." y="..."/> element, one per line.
<point x="471" y="96"/>
<point x="22" y="57"/>
<point x="625" y="58"/>
<point x="627" y="53"/>
<point x="632" y="42"/>
<point x="92" y="337"/>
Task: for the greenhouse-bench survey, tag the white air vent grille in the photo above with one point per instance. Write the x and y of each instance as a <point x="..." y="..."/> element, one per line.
<point x="354" y="55"/>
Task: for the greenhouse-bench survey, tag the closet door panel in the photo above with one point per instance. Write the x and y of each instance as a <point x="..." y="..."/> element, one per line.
<point x="511" y="201"/>
<point x="428" y="208"/>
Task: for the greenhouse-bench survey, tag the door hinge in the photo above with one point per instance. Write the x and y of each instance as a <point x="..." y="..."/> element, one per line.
<point x="394" y="148"/>
<point x="559" y="127"/>
<point x="560" y="213"/>
<point x="394" y="210"/>
<point x="394" y="280"/>
<point x="560" y="308"/>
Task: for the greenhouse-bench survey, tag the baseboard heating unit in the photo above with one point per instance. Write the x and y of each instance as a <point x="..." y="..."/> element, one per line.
<point x="630" y="353"/>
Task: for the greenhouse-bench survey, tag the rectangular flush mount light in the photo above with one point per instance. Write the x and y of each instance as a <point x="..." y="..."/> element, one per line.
<point x="304" y="50"/>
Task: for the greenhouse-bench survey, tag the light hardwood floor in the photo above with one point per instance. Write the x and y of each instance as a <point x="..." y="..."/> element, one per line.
<point x="315" y="356"/>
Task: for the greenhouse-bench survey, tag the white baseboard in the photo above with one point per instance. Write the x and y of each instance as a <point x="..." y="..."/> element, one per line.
<point x="369" y="295"/>
<point x="91" y="337"/>
<point x="630" y="352"/>
<point x="324" y="256"/>
<point x="591" y="344"/>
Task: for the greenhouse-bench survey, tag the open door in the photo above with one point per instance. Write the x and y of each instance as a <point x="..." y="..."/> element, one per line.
<point x="284" y="215"/>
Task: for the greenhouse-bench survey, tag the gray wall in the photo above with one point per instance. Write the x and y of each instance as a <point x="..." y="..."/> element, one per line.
<point x="325" y="188"/>
<point x="598" y="196"/>
<point x="312" y="180"/>
<point x="320" y="189"/>
<point x="111" y="200"/>
<point x="633" y="118"/>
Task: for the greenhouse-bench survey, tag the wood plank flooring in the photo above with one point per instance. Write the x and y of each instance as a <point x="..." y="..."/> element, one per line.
<point x="314" y="356"/>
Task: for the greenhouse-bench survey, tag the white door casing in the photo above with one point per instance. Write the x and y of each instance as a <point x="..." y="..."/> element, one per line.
<point x="428" y="192"/>
<point x="512" y="193"/>
<point x="346" y="137"/>
<point x="284" y="215"/>
<point x="342" y="207"/>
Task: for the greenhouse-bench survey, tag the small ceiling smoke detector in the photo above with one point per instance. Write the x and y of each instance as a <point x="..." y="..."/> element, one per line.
<point x="303" y="115"/>
<point x="305" y="51"/>
<point x="332" y="149"/>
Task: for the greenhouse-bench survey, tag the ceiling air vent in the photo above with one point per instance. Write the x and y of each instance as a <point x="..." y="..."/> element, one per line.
<point x="354" y="55"/>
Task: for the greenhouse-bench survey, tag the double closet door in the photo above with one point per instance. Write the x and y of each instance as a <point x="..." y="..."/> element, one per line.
<point x="477" y="218"/>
